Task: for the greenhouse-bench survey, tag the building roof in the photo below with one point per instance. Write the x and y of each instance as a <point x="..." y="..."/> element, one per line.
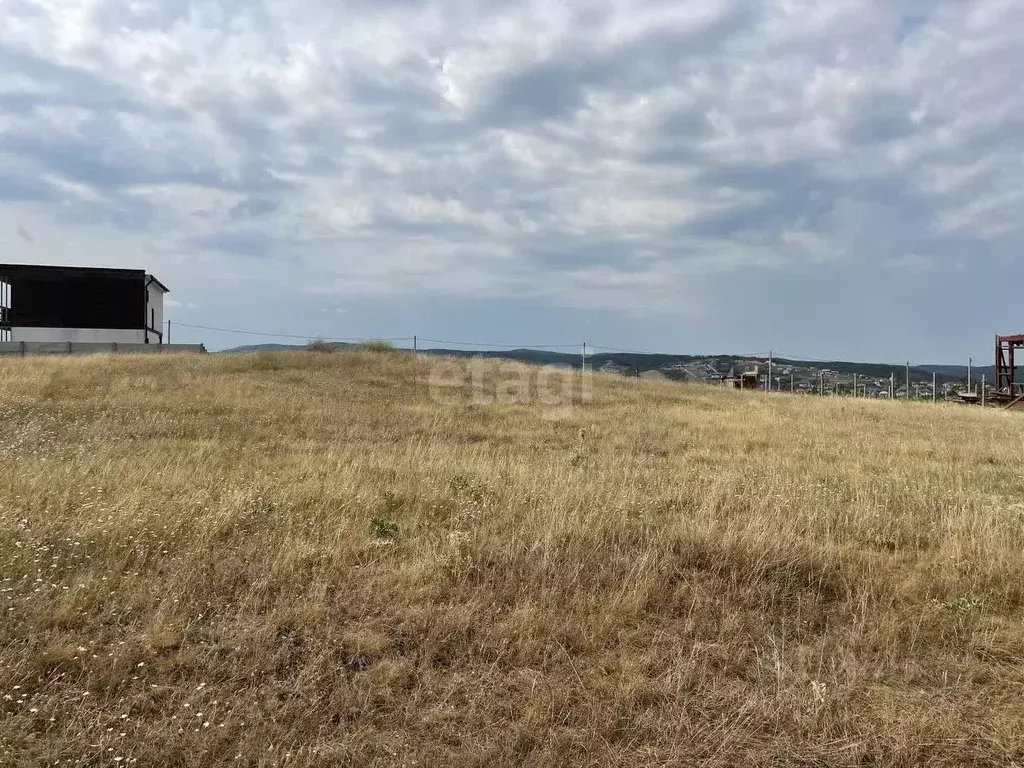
<point x="10" y="271"/>
<point x="46" y="269"/>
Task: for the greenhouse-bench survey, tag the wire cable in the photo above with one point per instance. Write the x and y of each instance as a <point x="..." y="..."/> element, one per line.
<point x="778" y="356"/>
<point x="504" y="346"/>
<point x="629" y="351"/>
<point x="288" y="335"/>
<point x="271" y="334"/>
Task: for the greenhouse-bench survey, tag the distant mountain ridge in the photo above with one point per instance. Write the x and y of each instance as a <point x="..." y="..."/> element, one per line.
<point x="686" y="367"/>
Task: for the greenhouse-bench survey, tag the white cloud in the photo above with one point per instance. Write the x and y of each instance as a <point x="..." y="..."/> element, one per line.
<point x="496" y="150"/>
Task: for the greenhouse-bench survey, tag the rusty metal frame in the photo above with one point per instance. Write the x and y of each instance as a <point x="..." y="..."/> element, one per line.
<point x="1006" y="370"/>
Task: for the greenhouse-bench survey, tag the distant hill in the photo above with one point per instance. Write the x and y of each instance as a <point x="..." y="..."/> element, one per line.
<point x="688" y="367"/>
<point x="960" y="371"/>
<point x="249" y="349"/>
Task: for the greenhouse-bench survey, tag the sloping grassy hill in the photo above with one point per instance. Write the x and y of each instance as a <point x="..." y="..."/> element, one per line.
<point x="304" y="559"/>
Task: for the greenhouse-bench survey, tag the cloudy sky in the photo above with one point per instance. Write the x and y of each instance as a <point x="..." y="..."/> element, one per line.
<point x="825" y="178"/>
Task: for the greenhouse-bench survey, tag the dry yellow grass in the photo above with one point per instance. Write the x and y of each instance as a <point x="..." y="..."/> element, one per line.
<point x="300" y="559"/>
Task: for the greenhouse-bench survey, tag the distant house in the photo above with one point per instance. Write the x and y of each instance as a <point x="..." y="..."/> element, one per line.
<point x="80" y="304"/>
<point x="747" y="380"/>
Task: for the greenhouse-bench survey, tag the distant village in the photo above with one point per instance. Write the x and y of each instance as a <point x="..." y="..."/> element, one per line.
<point x="789" y="378"/>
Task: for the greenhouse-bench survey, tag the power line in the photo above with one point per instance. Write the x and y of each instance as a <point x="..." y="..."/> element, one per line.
<point x="287" y="335"/>
<point x="781" y="356"/>
<point x="272" y="334"/>
<point x="634" y="351"/>
<point x="505" y="346"/>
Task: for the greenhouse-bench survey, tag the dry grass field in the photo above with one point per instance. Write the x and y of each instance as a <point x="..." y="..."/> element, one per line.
<point x="301" y="559"/>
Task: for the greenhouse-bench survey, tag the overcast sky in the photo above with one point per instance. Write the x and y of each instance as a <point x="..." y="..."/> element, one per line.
<point x="837" y="178"/>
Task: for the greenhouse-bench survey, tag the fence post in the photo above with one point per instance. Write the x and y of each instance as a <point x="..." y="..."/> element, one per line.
<point x="23" y="349"/>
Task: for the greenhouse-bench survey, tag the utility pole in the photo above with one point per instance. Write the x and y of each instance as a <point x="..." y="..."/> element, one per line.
<point x="168" y="331"/>
<point x="970" y="360"/>
<point x="934" y="395"/>
<point x="415" y="345"/>
<point x="908" y="381"/>
<point x="769" y="382"/>
<point x="892" y="385"/>
<point x="855" y="385"/>
<point x="583" y="359"/>
<point x="821" y="383"/>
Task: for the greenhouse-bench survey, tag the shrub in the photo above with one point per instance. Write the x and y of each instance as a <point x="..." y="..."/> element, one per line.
<point x="319" y="345"/>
